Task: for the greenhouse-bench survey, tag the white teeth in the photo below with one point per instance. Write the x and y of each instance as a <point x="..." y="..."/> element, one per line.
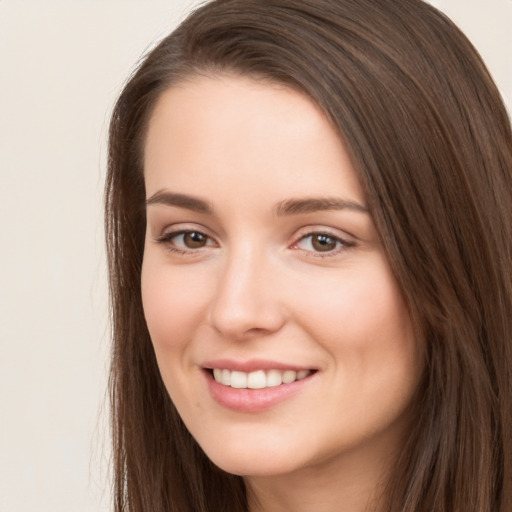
<point x="226" y="377"/>
<point x="274" y="378"/>
<point x="258" y="379"/>
<point x="238" y="380"/>
<point x="289" y="376"/>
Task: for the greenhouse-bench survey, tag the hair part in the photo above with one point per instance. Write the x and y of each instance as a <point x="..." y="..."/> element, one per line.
<point x="431" y="142"/>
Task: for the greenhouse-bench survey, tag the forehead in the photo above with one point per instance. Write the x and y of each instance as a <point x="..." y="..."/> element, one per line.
<point x="233" y="106"/>
<point x="237" y="130"/>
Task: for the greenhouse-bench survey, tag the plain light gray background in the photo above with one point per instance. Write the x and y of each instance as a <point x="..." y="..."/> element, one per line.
<point x="62" y="63"/>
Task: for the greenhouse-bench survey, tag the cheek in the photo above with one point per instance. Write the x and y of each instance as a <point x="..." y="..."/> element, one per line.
<point x="173" y="304"/>
<point x="173" y="307"/>
<point x="364" y="325"/>
<point x="362" y="320"/>
<point x="370" y="305"/>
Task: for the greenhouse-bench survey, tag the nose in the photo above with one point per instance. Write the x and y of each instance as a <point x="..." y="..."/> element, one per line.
<point x="246" y="302"/>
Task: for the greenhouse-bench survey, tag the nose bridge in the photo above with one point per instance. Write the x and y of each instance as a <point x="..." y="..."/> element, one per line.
<point x="245" y="301"/>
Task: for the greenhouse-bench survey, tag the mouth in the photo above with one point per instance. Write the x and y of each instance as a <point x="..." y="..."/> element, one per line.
<point x="256" y="385"/>
<point x="258" y="379"/>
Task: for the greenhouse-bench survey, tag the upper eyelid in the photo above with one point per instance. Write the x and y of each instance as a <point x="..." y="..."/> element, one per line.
<point x="167" y="235"/>
<point x="326" y="233"/>
<point x="334" y="232"/>
<point x="345" y="241"/>
<point x="185" y="227"/>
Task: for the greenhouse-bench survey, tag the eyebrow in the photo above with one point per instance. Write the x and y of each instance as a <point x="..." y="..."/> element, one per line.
<point x="181" y="201"/>
<point x="316" y="204"/>
<point x="293" y="206"/>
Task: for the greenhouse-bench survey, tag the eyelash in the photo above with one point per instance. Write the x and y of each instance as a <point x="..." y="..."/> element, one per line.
<point x="343" y="244"/>
<point x="167" y="239"/>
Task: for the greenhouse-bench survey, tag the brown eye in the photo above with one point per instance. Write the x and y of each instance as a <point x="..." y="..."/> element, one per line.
<point x="324" y="243"/>
<point x="183" y="241"/>
<point x="194" y="240"/>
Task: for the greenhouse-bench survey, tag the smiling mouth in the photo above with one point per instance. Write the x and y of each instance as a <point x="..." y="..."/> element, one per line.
<point x="259" y="379"/>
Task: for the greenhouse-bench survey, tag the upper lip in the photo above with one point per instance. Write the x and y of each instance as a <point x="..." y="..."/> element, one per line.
<point x="252" y="365"/>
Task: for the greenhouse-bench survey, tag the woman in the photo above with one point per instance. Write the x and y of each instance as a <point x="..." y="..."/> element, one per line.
<point x="309" y="227"/>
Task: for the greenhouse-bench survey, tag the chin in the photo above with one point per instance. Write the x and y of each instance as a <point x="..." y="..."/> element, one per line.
<point x="252" y="466"/>
<point x="258" y="461"/>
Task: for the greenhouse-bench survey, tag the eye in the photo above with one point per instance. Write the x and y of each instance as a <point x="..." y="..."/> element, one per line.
<point x="322" y="243"/>
<point x="192" y="239"/>
<point x="185" y="240"/>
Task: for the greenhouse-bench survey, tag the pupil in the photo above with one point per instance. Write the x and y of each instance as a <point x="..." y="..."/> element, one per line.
<point x="324" y="243"/>
<point x="194" y="240"/>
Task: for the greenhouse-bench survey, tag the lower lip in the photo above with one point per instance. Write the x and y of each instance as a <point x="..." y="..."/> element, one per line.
<point x="253" y="400"/>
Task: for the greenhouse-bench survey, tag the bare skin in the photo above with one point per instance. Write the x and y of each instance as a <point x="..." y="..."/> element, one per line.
<point x="261" y="258"/>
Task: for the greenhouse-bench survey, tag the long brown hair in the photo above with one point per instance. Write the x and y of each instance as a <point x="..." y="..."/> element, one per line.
<point x="431" y="141"/>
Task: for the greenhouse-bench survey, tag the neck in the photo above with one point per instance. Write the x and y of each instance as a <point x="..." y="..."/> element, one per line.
<point x="355" y="484"/>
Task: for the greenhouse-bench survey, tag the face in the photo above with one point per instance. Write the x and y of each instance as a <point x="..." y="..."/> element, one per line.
<point x="279" y="330"/>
